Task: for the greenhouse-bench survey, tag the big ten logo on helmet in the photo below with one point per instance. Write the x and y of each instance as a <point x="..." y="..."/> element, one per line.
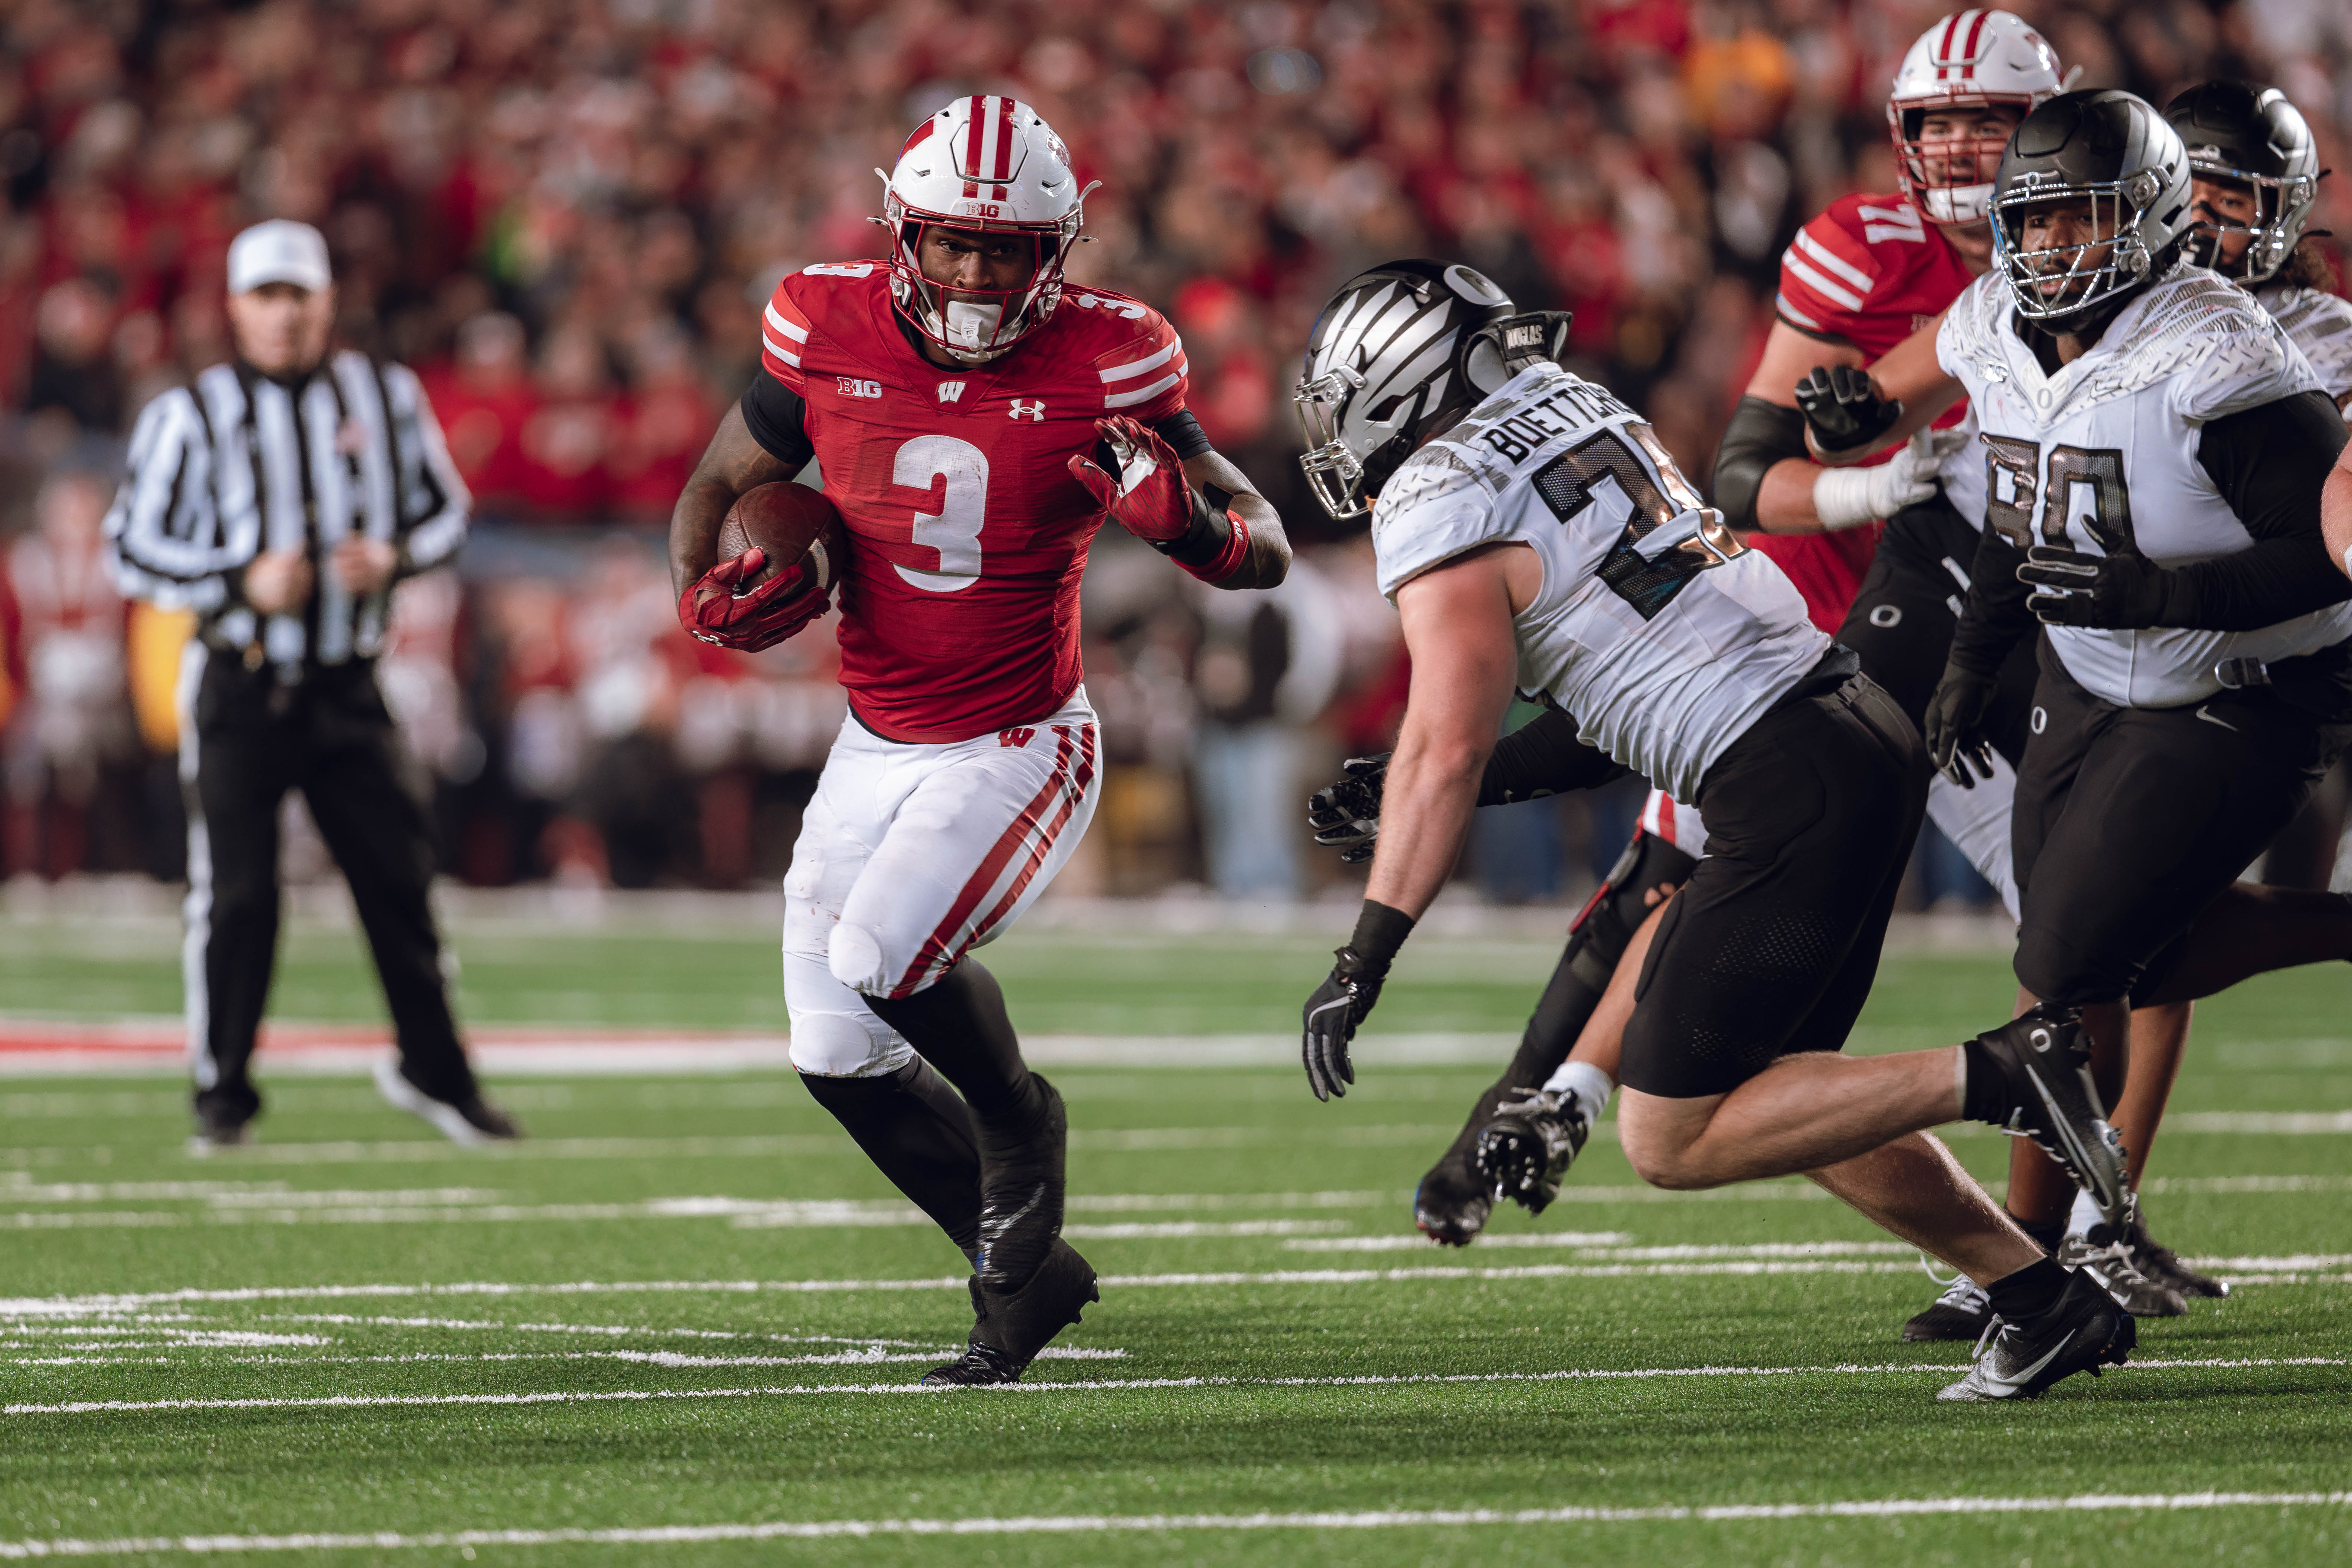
<point x="852" y="388"/>
<point x="1033" y="412"/>
<point x="979" y="209"/>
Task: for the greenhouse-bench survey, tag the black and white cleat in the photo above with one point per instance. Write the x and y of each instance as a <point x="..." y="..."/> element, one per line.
<point x="2082" y="1331"/>
<point x="1527" y="1149"/>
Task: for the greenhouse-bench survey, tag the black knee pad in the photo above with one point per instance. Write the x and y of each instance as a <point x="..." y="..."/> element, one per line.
<point x="1598" y="936"/>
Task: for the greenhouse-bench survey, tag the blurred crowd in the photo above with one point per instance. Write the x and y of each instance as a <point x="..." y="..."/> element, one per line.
<point x="566" y="214"/>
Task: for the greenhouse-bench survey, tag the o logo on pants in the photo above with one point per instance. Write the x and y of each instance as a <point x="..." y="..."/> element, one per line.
<point x="1887" y="615"/>
<point x="2040" y="719"/>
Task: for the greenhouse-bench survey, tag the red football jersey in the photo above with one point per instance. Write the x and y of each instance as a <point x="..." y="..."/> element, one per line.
<point x="1869" y="269"/>
<point x="959" y="606"/>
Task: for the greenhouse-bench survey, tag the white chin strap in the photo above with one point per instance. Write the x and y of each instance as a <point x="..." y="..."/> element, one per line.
<point x="971" y="329"/>
<point x="1958" y="204"/>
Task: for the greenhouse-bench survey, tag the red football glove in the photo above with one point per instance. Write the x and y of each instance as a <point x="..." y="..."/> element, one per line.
<point x="713" y="611"/>
<point x="1152" y="501"/>
<point x="1149" y="498"/>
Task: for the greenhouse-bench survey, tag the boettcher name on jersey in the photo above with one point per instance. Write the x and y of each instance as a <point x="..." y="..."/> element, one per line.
<point x="1655" y="628"/>
<point x="2104" y="456"/>
<point x="967" y="536"/>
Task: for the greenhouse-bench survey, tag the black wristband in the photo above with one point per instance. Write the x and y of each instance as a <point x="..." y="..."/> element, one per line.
<point x="1379" y="932"/>
<point x="1206" y="539"/>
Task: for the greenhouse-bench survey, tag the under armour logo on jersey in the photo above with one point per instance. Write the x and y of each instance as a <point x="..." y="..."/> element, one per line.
<point x="951" y="392"/>
<point x="851" y="387"/>
<point x="1033" y="412"/>
<point x="1016" y="737"/>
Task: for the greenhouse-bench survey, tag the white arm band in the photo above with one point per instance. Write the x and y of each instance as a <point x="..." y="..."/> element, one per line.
<point x="1842" y="498"/>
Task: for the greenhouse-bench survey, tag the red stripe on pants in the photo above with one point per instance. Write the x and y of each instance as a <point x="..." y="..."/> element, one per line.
<point x="992" y="865"/>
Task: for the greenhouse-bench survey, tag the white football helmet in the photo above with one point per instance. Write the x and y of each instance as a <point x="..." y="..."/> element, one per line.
<point x="986" y="164"/>
<point x="1976" y="59"/>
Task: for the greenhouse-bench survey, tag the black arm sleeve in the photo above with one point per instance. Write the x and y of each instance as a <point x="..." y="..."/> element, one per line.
<point x="1996" y="616"/>
<point x="2270" y="464"/>
<point x="1184" y="435"/>
<point x="1760" y="433"/>
<point x="1543" y="757"/>
<point x="778" y="420"/>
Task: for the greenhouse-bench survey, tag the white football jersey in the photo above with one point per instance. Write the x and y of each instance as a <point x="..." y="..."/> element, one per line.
<point x="1661" y="633"/>
<point x="1962" y="475"/>
<point x="2321" y="326"/>
<point x="2104" y="455"/>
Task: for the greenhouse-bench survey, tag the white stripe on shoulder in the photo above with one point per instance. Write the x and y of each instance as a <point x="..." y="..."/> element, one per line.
<point x="1138" y="367"/>
<point x="1794" y="314"/>
<point x="1833" y="261"/>
<point x="781" y="352"/>
<point x="776" y="319"/>
<point x="1836" y="293"/>
<point x="1141" y="394"/>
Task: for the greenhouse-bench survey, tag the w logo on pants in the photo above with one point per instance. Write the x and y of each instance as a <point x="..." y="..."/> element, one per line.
<point x="1019" y="737"/>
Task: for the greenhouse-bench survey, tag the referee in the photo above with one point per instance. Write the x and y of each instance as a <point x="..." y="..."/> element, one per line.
<point x="280" y="498"/>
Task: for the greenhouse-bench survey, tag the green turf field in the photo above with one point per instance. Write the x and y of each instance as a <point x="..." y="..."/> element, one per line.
<point x="689" y="1307"/>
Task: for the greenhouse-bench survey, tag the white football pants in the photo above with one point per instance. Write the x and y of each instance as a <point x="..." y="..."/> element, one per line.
<point x="911" y="855"/>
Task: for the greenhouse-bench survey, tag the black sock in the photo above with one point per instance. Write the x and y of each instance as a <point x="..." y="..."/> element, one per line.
<point x="1986" y="1097"/>
<point x="958" y="1024"/>
<point x="919" y="1133"/>
<point x="2031" y="1291"/>
<point x="2044" y="1234"/>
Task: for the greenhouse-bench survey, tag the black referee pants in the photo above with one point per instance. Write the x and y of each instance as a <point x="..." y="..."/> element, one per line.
<point x="246" y="739"/>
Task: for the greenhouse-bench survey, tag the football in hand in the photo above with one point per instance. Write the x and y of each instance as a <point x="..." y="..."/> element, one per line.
<point x="794" y="524"/>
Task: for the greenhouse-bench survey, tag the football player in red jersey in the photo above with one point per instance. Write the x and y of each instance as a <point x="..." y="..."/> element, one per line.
<point x="976" y="419"/>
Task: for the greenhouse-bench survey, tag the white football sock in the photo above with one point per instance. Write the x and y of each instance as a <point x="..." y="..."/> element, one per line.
<point x="1591" y="1087"/>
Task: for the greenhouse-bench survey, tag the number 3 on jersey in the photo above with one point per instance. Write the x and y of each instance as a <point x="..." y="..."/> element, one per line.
<point x="954" y="529"/>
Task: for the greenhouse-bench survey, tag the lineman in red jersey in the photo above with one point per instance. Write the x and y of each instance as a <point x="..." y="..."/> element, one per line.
<point x="1858" y="280"/>
<point x="975" y="420"/>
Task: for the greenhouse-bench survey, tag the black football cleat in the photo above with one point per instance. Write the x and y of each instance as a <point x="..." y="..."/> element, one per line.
<point x="1452" y="1203"/>
<point x="1013" y="1326"/>
<point x="2082" y="1331"/>
<point x="219" y="1127"/>
<point x="2045" y="1070"/>
<point x="1525" y="1150"/>
<point x="2109" y="1258"/>
<point x="470" y="1121"/>
<point x="2160" y="1263"/>
<point x="978" y="1367"/>
<point x="1958" y="1314"/>
<point x="1022" y="1189"/>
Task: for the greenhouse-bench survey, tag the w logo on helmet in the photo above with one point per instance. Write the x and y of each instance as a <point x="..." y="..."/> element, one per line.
<point x="1033" y="412"/>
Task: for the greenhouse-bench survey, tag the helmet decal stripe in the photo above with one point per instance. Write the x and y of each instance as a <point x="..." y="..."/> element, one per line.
<point x="1003" y="130"/>
<point x="976" y="117"/>
<point x="1943" y="39"/>
<point x="1968" y="53"/>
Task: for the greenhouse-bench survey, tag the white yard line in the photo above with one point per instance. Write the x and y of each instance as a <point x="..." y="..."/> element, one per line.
<point x="1099" y="1524"/>
<point x="1102" y="1386"/>
<point x="1760" y="1259"/>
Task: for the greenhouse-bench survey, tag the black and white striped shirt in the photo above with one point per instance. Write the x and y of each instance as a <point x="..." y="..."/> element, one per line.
<point x="240" y="464"/>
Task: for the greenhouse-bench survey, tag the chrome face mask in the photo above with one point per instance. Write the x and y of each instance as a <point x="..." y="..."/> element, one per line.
<point x="1334" y="473"/>
<point x="2082" y="283"/>
<point x="2273" y="235"/>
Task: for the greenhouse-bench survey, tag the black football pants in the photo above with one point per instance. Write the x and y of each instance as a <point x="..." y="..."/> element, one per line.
<point x="245" y="741"/>
<point x="1771" y="946"/>
<point x="2130" y="820"/>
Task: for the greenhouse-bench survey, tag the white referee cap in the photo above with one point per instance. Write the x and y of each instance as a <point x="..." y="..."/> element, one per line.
<point x="278" y="251"/>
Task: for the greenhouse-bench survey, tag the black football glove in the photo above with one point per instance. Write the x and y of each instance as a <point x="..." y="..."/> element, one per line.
<point x="1956" y="717"/>
<point x="2117" y="592"/>
<point x="1843" y="408"/>
<point x="1346" y="813"/>
<point x="1332" y="1015"/>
